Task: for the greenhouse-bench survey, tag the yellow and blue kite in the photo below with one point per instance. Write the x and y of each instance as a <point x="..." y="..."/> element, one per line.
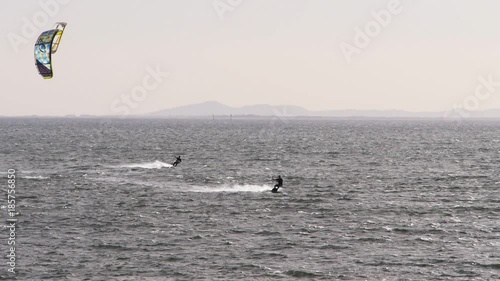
<point x="45" y="46"/>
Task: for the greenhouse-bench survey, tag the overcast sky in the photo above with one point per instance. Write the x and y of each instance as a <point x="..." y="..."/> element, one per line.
<point x="114" y="56"/>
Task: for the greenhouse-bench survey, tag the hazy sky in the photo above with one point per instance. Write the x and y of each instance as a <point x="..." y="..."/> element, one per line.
<point x="422" y="55"/>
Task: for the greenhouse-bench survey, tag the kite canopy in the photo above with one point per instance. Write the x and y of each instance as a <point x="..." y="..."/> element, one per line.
<point x="45" y="46"/>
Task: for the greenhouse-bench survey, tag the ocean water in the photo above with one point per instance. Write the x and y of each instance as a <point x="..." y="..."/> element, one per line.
<point x="98" y="199"/>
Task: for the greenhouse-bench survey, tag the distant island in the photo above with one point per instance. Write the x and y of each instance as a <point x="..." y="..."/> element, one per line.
<point x="213" y="108"/>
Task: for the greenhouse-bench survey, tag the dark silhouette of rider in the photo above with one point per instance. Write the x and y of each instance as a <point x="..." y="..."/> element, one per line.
<point x="177" y="161"/>
<point x="279" y="183"/>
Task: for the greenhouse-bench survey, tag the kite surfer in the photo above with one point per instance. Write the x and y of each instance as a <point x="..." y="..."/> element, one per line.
<point x="279" y="183"/>
<point x="177" y="161"/>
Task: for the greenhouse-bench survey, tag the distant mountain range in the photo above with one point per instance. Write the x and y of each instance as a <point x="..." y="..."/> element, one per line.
<point x="218" y="109"/>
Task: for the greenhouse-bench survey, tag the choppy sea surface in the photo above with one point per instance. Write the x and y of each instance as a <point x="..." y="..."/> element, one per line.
<point x="98" y="199"/>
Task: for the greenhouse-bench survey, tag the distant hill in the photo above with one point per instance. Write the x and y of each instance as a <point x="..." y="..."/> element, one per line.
<point x="210" y="108"/>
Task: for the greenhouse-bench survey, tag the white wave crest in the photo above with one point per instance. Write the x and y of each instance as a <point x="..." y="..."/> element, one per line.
<point x="231" y="188"/>
<point x="150" y="165"/>
<point x="35" y="177"/>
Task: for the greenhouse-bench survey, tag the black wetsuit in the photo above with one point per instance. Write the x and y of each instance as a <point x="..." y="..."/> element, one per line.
<point x="177" y="161"/>
<point x="278" y="184"/>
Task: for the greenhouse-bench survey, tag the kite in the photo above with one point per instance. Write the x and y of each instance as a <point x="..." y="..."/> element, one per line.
<point x="45" y="46"/>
